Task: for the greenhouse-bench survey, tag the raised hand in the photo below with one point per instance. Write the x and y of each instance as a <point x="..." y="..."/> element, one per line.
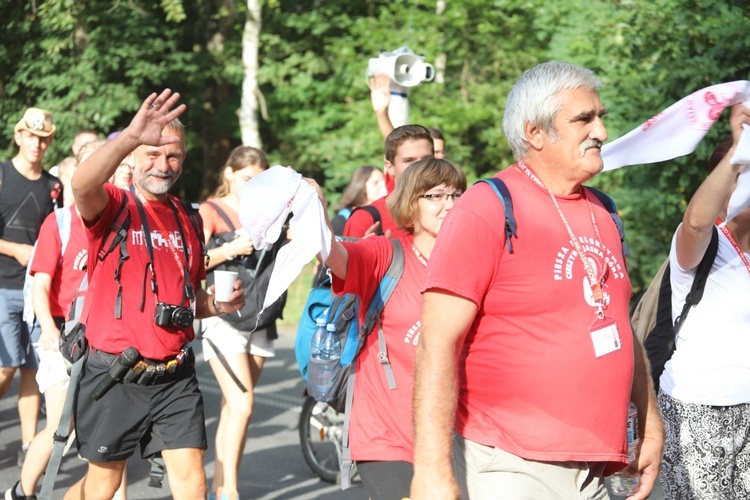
<point x="154" y="114"/>
<point x="380" y="92"/>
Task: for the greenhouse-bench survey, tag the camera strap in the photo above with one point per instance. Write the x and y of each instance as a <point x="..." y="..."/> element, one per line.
<point x="143" y="206"/>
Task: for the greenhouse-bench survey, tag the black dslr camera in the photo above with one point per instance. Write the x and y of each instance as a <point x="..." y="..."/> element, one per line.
<point x="177" y="316"/>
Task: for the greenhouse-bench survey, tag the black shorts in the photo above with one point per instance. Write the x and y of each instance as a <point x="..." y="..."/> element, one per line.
<point x="159" y="417"/>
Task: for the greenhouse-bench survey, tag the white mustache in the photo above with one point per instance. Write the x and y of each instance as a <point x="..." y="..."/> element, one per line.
<point x="160" y="175"/>
<point x="590" y="143"/>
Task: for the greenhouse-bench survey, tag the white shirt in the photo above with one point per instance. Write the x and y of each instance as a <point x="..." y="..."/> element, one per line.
<point x="711" y="364"/>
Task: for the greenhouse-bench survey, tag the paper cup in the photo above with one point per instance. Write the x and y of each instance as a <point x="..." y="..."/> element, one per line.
<point x="224" y="284"/>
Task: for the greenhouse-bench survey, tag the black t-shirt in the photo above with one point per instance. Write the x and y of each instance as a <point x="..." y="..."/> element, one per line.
<point x="24" y="205"/>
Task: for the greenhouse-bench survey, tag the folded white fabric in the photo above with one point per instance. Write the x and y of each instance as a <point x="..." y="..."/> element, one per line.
<point x="52" y="370"/>
<point x="677" y="130"/>
<point x="265" y="202"/>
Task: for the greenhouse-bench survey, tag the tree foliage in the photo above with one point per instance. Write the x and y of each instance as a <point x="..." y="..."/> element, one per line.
<point x="92" y="62"/>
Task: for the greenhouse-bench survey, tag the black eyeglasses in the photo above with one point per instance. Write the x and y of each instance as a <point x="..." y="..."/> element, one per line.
<point x="441" y="197"/>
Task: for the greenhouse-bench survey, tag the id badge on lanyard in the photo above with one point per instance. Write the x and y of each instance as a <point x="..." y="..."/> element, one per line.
<point x="604" y="335"/>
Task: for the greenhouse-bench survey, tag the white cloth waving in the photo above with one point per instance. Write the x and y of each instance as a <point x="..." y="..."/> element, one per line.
<point x="265" y="202"/>
<point x="677" y="130"/>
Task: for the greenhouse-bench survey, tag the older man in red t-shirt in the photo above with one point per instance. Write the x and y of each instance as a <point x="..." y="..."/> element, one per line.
<point x="532" y="350"/>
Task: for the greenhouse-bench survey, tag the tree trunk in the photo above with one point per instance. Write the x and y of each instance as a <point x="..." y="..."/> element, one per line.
<point x="250" y="91"/>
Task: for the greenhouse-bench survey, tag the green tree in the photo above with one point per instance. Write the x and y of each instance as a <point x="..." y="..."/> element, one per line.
<point x="650" y="54"/>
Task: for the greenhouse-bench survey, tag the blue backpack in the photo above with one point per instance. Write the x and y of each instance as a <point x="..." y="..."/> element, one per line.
<point x="343" y="312"/>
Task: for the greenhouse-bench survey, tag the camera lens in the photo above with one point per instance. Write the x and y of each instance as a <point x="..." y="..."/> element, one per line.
<point x="182" y="317"/>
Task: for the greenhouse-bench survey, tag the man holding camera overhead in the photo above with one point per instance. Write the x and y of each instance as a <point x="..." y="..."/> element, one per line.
<point x="138" y="384"/>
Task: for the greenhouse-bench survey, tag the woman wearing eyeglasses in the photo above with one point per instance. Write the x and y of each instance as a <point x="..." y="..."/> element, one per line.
<point x="381" y="433"/>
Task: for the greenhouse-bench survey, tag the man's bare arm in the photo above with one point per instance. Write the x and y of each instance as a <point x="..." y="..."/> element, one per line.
<point x="446" y="319"/>
<point x="19" y="251"/>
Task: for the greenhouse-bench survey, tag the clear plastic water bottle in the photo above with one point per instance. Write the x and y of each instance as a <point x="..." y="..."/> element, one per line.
<point x="324" y="364"/>
<point x="625" y="482"/>
<point x="316" y="341"/>
<point x="331" y="345"/>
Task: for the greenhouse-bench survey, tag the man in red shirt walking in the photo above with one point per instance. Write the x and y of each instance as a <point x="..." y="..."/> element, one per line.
<point x="148" y="306"/>
<point x="528" y="353"/>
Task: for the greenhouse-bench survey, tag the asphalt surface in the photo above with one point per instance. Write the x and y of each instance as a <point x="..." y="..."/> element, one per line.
<point x="272" y="467"/>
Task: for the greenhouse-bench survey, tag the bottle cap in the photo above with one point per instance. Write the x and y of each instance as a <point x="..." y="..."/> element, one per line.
<point x="321" y="321"/>
<point x="331" y="327"/>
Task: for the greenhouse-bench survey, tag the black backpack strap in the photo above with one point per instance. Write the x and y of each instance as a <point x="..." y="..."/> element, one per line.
<point x="660" y="343"/>
<point x="609" y="204"/>
<point x="223" y="360"/>
<point x="192" y="210"/>
<point x="117" y="237"/>
<point x="699" y="282"/>
<point x="502" y="192"/>
<point x="374" y="213"/>
<point x="222" y="214"/>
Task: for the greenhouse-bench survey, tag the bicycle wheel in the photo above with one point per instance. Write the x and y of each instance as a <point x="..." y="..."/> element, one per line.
<point x="320" y="433"/>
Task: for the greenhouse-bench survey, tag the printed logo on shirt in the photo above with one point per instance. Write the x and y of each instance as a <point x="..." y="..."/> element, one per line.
<point x="79" y="263"/>
<point x="606" y="264"/>
<point x="412" y="336"/>
<point x="157" y="240"/>
<point x="28" y="214"/>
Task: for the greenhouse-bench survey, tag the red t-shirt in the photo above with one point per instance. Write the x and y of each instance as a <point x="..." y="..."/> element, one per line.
<point x="360" y="221"/>
<point x="530" y="382"/>
<point x="381" y="419"/>
<point x="213" y="222"/>
<point x="66" y="273"/>
<point x="137" y="328"/>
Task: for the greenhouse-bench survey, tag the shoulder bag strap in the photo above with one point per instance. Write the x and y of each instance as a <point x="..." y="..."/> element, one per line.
<point x="384" y="292"/>
<point x="374" y="213"/>
<point x="222" y="214"/>
<point x="699" y="282"/>
<point x="60" y="437"/>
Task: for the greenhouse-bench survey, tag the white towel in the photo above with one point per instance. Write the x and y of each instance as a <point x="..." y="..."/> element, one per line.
<point x="677" y="130"/>
<point x="265" y="203"/>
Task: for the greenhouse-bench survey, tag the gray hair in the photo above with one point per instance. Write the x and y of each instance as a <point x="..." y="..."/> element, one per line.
<point x="535" y="99"/>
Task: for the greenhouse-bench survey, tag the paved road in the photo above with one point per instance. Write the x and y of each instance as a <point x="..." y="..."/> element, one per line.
<point x="272" y="468"/>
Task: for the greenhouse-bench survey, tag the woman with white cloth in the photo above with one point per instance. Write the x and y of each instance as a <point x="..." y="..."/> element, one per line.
<point x="704" y="392"/>
<point x="381" y="432"/>
<point x="243" y="351"/>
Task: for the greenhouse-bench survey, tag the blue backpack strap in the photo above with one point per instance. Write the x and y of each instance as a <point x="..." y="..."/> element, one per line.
<point x="386" y="287"/>
<point x="502" y="192"/>
<point x="609" y="204"/>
